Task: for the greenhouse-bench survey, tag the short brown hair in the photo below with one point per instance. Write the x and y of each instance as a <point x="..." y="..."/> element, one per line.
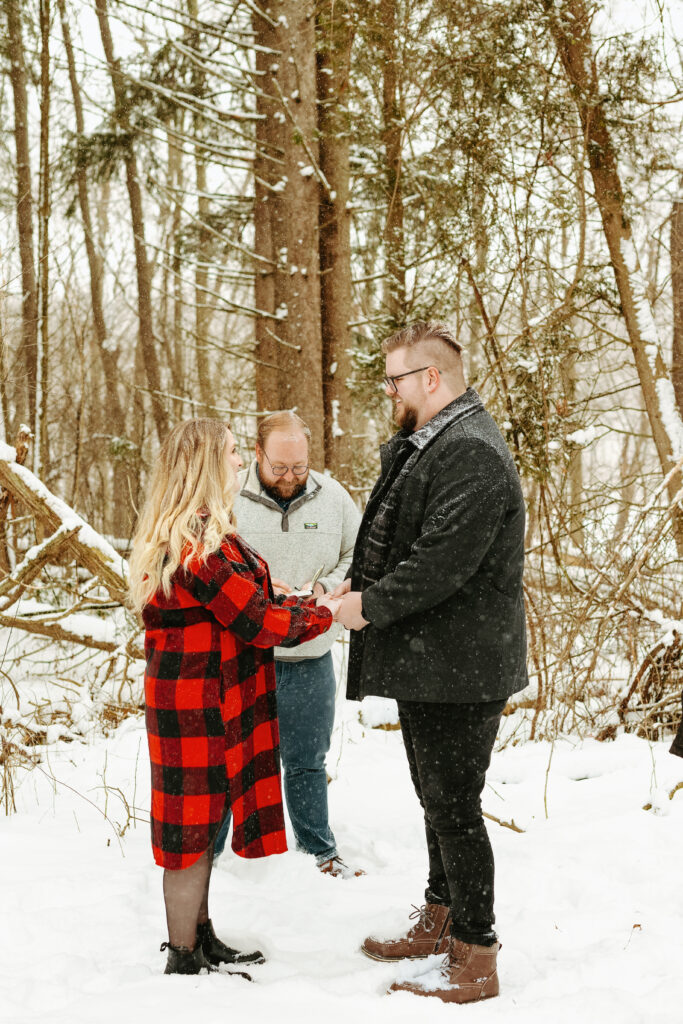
<point x="287" y="418"/>
<point x="421" y="330"/>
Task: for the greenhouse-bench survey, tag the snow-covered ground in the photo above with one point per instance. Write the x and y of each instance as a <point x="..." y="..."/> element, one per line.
<point x="589" y="896"/>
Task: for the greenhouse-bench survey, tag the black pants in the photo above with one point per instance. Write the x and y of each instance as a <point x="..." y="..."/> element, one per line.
<point x="449" y="750"/>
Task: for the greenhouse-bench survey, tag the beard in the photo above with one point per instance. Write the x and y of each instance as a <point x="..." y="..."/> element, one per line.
<point x="286" y="489"/>
<point x="405" y="415"/>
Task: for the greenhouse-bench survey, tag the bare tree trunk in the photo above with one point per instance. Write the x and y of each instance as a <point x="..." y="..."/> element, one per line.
<point x="571" y="29"/>
<point x="570" y="379"/>
<point x="335" y="33"/>
<point x="26" y="395"/>
<point x="145" y="318"/>
<point x="301" y="359"/>
<point x="5" y="435"/>
<point x="175" y="173"/>
<point x="480" y="244"/>
<point x="105" y="346"/>
<point x="575" y="469"/>
<point x="677" y="296"/>
<point x="120" y="521"/>
<point x="630" y="469"/>
<point x="269" y="237"/>
<point x="40" y="430"/>
<point x="392" y="138"/>
<point x="286" y="243"/>
<point x="5" y="418"/>
<point x="201" y="297"/>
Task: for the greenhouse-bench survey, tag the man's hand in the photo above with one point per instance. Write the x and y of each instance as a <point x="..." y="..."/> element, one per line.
<point x="350" y="612"/>
<point x="280" y="587"/>
<point x="342" y="589"/>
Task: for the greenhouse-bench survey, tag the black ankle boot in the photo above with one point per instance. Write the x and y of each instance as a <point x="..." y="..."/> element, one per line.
<point x="182" y="960"/>
<point x="216" y="952"/>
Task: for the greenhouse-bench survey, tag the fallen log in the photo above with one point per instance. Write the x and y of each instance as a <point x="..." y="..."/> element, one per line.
<point x="35" y="560"/>
<point x="40" y="627"/>
<point x="89" y="549"/>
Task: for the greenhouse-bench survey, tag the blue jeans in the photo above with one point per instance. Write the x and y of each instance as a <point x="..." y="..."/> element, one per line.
<point x="305" y="707"/>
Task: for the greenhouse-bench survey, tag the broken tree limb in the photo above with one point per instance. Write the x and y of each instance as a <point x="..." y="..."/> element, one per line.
<point x="56" y="632"/>
<point x="13" y="586"/>
<point x="90" y="550"/>
<point x="506" y="824"/>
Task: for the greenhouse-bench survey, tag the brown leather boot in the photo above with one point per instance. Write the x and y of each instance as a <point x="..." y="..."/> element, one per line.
<point x="338" y="868"/>
<point x="467" y="975"/>
<point x="428" y="935"/>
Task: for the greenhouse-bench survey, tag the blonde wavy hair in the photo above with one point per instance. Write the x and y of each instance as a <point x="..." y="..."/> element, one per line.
<point x="189" y="508"/>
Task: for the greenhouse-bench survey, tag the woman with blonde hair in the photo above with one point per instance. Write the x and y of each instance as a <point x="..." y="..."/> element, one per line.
<point x="211" y="623"/>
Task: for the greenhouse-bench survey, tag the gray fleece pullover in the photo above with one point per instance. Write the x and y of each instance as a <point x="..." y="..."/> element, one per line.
<point x="318" y="529"/>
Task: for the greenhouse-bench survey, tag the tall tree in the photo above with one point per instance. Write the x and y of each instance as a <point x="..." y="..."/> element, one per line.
<point x="676" y="249"/>
<point x="122" y="121"/>
<point x="41" y="432"/>
<point x="570" y="25"/>
<point x="335" y="41"/>
<point x="269" y="218"/>
<point x="393" y="118"/>
<point x="120" y="519"/>
<point x="26" y="399"/>
<point x="291" y="238"/>
<point x="202" y="307"/>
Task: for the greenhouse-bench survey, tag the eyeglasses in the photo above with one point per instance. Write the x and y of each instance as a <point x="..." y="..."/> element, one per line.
<point x="390" y="382"/>
<point x="299" y="469"/>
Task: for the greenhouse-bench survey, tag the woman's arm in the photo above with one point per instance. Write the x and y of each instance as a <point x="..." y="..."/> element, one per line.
<point x="227" y="587"/>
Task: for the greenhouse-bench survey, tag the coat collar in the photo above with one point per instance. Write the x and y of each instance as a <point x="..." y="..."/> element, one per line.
<point x="461" y="407"/>
<point x="458" y="409"/>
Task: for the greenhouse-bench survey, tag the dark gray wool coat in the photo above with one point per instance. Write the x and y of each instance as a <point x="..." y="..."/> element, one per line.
<point x="447" y="611"/>
<point x="677" y="745"/>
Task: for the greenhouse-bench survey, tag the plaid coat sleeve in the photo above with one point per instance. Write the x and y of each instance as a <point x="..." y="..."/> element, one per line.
<point x="228" y="588"/>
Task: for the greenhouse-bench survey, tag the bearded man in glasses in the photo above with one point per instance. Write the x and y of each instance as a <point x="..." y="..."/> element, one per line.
<point x="304" y="524"/>
<point x="434" y="597"/>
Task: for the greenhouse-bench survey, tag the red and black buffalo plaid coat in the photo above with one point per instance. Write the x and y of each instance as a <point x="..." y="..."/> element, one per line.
<point x="211" y="711"/>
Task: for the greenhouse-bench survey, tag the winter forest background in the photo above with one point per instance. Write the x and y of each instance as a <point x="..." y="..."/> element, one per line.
<point x="221" y="207"/>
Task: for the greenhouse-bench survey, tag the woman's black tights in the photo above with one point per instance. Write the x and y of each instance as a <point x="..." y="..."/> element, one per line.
<point x="186" y="895"/>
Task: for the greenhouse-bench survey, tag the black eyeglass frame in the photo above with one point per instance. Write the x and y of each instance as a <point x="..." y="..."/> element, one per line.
<point x="390" y="382"/>
<point x="286" y="469"/>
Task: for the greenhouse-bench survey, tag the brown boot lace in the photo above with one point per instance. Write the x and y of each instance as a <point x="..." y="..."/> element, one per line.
<point x="423" y="916"/>
<point x="455" y="957"/>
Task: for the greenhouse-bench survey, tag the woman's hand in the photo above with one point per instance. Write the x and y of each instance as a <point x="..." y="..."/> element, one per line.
<point x="280" y="587"/>
<point x="329" y="602"/>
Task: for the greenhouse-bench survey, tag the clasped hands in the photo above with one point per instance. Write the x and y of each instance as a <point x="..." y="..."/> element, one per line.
<point x="344" y="603"/>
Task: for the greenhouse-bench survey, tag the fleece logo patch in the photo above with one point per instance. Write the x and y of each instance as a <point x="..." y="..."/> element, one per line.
<point x="310" y="526"/>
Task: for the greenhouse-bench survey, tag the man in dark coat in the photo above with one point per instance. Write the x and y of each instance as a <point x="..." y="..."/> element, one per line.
<point x="434" y="598"/>
<point x="677" y="745"/>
